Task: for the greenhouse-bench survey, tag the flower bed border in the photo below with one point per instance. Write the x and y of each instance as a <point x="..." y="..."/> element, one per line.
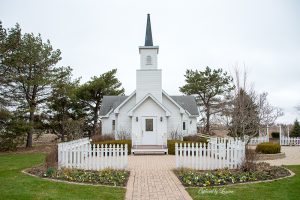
<point x="239" y="183"/>
<point x="25" y="171"/>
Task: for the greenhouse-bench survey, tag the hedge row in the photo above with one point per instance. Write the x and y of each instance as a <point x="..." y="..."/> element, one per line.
<point x="268" y="148"/>
<point x="171" y="144"/>
<point x="128" y="142"/>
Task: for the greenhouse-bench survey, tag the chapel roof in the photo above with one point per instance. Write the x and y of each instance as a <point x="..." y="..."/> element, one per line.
<point x="112" y="102"/>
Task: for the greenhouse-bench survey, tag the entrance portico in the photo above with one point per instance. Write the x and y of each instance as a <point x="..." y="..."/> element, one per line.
<point x="149" y="122"/>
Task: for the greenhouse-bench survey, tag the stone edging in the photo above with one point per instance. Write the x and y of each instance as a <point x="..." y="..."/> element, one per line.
<point x="245" y="183"/>
<point x="68" y="182"/>
<point x="270" y="156"/>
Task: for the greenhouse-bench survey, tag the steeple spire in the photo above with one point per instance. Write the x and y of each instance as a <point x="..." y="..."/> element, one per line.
<point x="148" y="38"/>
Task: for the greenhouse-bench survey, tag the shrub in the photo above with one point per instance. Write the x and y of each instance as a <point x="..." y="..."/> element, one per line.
<point x="52" y="158"/>
<point x="128" y="142"/>
<point x="195" y="138"/>
<point x="100" y="138"/>
<point x="50" y="172"/>
<point x="275" y="134"/>
<point x="268" y="148"/>
<point x="12" y="131"/>
<point x="171" y="144"/>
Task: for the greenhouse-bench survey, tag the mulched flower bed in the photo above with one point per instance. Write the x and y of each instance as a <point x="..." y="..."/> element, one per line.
<point x="263" y="171"/>
<point x="109" y="177"/>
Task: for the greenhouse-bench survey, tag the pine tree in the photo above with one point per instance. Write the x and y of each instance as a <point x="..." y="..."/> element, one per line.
<point x="208" y="86"/>
<point x="296" y="129"/>
<point x="29" y="67"/>
<point x="92" y="92"/>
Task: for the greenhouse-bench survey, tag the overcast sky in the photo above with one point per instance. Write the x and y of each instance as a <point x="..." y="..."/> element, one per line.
<point x="96" y="36"/>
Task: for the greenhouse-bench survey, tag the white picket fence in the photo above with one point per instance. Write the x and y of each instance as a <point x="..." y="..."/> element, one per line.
<point x="217" y="154"/>
<point x="289" y="141"/>
<point x="81" y="154"/>
<point x="258" y="140"/>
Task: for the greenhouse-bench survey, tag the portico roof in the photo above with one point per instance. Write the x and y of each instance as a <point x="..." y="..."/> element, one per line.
<point x="130" y="112"/>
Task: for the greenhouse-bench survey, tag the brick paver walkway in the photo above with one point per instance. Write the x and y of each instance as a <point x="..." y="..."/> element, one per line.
<point x="151" y="178"/>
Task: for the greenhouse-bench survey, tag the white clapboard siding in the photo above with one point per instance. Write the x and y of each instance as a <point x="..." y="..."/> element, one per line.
<point x="289" y="141"/>
<point x="81" y="154"/>
<point x="221" y="153"/>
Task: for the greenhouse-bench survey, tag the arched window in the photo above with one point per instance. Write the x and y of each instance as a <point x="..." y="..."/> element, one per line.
<point x="148" y="60"/>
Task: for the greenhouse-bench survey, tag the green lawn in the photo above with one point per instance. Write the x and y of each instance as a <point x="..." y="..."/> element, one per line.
<point x="16" y="185"/>
<point x="288" y="188"/>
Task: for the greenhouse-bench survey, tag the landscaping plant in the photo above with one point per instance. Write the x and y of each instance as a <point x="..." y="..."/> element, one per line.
<point x="268" y="148"/>
<point x="194" y="178"/>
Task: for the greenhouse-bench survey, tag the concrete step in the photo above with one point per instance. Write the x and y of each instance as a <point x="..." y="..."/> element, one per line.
<point x="149" y="150"/>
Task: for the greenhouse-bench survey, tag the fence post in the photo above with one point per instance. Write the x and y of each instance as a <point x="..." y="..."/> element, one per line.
<point x="126" y="155"/>
<point x="197" y="156"/>
<point x="193" y="157"/>
<point x="176" y="154"/>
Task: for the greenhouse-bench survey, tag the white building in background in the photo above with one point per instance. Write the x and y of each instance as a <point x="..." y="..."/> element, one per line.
<point x="149" y="115"/>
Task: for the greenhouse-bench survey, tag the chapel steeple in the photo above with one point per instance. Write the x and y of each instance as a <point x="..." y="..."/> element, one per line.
<point x="148" y="38"/>
<point x="148" y="77"/>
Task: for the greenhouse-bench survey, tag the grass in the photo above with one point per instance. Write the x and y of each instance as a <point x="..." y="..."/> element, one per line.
<point x="16" y="185"/>
<point x="288" y="188"/>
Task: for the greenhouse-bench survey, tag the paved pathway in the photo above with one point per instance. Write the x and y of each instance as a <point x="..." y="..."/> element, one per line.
<point x="292" y="156"/>
<point x="151" y="178"/>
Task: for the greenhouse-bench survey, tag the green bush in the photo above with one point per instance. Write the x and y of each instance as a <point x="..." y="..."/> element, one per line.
<point x="50" y="171"/>
<point x="195" y="138"/>
<point x="275" y="134"/>
<point x="101" y="138"/>
<point x="268" y="148"/>
<point x="171" y="144"/>
<point x="128" y="142"/>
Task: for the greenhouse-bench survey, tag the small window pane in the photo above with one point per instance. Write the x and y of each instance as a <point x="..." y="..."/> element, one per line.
<point x="183" y="126"/>
<point x="113" y="125"/>
<point x="149" y="124"/>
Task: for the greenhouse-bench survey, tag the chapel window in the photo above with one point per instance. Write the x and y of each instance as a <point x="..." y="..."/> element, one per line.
<point x="148" y="60"/>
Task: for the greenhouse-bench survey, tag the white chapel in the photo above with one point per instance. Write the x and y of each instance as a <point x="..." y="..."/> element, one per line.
<point x="149" y="116"/>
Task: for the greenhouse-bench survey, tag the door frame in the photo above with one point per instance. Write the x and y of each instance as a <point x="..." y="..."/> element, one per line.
<point x="151" y="134"/>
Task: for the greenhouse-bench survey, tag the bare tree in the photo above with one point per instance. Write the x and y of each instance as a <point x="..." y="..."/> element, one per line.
<point x="244" y="111"/>
<point x="268" y="114"/>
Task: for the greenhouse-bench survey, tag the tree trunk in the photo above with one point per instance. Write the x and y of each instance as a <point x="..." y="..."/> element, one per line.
<point x="30" y="132"/>
<point x="207" y="127"/>
<point x="95" y="118"/>
<point x="29" y="138"/>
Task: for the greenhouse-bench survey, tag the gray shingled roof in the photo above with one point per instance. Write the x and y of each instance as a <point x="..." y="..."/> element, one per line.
<point x="186" y="102"/>
<point x="110" y="102"/>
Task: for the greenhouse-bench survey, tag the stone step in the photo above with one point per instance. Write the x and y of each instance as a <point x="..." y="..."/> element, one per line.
<point x="148" y="150"/>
